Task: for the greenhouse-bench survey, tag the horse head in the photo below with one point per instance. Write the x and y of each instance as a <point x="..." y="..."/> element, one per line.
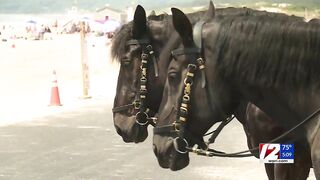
<point x="136" y="46"/>
<point x="183" y="120"/>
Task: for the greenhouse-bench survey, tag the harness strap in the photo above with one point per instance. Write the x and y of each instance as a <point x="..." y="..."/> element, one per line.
<point x="219" y="129"/>
<point x="122" y="108"/>
<point x="170" y="128"/>
<point x="197" y="38"/>
<point x="199" y="141"/>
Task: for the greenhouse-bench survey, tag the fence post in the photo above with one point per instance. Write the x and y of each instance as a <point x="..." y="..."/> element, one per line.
<point x="84" y="61"/>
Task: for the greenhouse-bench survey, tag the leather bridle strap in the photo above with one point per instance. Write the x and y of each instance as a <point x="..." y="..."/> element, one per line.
<point x="122" y="108"/>
<point x="149" y="50"/>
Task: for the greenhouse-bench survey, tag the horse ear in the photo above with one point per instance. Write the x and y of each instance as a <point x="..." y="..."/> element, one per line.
<point x="211" y="11"/>
<point x="152" y="13"/>
<point x="139" y="22"/>
<point x="182" y="25"/>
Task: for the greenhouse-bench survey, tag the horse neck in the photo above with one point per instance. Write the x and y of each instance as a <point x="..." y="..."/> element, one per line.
<point x="288" y="107"/>
<point x="240" y="112"/>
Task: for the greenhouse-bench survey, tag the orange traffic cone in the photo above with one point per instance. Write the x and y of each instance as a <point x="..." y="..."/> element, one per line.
<point x="55" y="98"/>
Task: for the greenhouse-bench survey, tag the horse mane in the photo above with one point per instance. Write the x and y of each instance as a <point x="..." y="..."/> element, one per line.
<point x="272" y="50"/>
<point x="123" y="34"/>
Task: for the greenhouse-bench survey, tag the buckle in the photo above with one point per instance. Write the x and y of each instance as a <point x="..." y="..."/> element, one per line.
<point x="177" y="141"/>
<point x="144" y="56"/>
<point x="136" y="104"/>
<point x="142" y="116"/>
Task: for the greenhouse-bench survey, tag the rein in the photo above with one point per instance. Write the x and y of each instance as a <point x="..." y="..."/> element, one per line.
<point x="143" y="116"/>
<point x="212" y="152"/>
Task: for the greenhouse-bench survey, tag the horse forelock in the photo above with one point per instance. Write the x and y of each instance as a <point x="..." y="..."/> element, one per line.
<point x="272" y="50"/>
<point x="118" y="46"/>
<point x="123" y="34"/>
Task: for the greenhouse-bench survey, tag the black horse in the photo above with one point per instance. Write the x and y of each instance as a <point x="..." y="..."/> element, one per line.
<point x="224" y="91"/>
<point x="158" y="32"/>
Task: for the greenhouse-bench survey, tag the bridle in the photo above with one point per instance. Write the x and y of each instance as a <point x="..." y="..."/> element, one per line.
<point x="178" y="127"/>
<point x="144" y="116"/>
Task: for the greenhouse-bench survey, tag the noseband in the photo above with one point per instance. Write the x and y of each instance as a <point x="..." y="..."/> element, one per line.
<point x="144" y="114"/>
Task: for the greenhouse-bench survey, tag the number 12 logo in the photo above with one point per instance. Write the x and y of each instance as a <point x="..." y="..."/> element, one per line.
<point x="269" y="151"/>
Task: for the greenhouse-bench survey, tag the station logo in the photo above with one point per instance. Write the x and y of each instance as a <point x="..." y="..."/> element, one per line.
<point x="276" y="153"/>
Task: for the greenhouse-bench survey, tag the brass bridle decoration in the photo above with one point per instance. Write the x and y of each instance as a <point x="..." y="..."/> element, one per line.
<point x="143" y="111"/>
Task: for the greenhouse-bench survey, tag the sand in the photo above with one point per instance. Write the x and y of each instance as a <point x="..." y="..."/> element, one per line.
<point x="26" y="75"/>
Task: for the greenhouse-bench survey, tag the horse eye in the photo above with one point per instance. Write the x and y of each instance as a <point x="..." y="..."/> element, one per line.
<point x="172" y="75"/>
<point x="174" y="57"/>
<point x="173" y="78"/>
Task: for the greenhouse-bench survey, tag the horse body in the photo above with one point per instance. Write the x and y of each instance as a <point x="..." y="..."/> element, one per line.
<point x="226" y="88"/>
